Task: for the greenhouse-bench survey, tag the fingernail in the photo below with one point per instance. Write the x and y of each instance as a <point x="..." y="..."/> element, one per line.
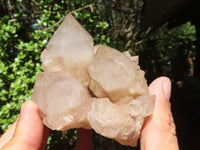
<point x="26" y="107"/>
<point x="167" y="89"/>
<point x="22" y="111"/>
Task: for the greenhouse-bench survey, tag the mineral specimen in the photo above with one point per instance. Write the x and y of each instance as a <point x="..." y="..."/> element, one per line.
<point x="62" y="100"/>
<point x="91" y="86"/>
<point x="69" y="50"/>
<point x="116" y="75"/>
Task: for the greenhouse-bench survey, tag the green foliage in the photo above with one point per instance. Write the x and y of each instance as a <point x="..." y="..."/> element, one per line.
<point x="177" y="40"/>
<point x="18" y="66"/>
<point x="163" y="50"/>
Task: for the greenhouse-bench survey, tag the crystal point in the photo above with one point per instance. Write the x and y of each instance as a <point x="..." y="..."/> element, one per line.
<point x="116" y="74"/>
<point x="60" y="96"/>
<point x="69" y="50"/>
<point x="71" y="42"/>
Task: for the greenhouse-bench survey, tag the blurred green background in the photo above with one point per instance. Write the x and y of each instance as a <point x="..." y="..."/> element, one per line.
<point x="165" y="39"/>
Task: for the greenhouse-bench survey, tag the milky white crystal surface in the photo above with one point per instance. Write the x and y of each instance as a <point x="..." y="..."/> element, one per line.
<point x="69" y="50"/>
<point x="116" y="74"/>
<point x="91" y="87"/>
<point x="62" y="100"/>
<point x="112" y="121"/>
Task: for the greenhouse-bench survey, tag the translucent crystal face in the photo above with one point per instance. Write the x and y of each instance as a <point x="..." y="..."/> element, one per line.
<point x="72" y="43"/>
<point x="56" y="87"/>
<point x="116" y="74"/>
<point x="110" y="120"/>
<point x="60" y="95"/>
<point x="91" y="87"/>
<point x="69" y="50"/>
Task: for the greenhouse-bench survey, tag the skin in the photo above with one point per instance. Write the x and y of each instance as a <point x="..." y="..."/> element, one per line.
<point x="158" y="132"/>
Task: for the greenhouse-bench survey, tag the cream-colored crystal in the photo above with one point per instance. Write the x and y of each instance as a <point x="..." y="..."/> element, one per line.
<point x="69" y="50"/>
<point x="62" y="100"/>
<point x="116" y="74"/>
<point x="132" y="58"/>
<point x="91" y="87"/>
<point x="72" y="44"/>
<point x="47" y="61"/>
<point x="112" y="121"/>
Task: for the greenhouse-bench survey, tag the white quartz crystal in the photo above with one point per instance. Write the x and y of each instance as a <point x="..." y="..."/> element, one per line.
<point x="116" y="74"/>
<point x="70" y="50"/>
<point x="112" y="121"/>
<point x="91" y="87"/>
<point x="62" y="100"/>
<point x="71" y="43"/>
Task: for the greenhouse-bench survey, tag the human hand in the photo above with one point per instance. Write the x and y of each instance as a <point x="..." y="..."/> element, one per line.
<point x="159" y="132"/>
<point x="29" y="133"/>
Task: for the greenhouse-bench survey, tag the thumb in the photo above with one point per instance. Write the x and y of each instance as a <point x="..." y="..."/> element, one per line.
<point x="30" y="133"/>
<point x="159" y="130"/>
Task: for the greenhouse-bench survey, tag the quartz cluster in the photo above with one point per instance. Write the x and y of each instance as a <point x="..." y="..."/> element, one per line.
<point x="87" y="86"/>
